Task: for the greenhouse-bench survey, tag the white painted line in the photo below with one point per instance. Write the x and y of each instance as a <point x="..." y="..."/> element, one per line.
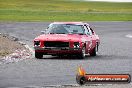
<point x="30" y="49"/>
<point x="129" y="36"/>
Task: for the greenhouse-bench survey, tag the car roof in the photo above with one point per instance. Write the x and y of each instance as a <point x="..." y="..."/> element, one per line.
<point x="76" y="23"/>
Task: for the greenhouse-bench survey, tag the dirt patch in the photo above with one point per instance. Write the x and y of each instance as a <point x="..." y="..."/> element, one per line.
<point x="11" y="50"/>
<point x="8" y="45"/>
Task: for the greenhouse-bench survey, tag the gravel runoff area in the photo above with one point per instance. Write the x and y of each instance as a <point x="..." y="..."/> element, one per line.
<point x="11" y="50"/>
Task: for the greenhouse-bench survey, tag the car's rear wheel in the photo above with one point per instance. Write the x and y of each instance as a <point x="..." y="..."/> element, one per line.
<point x="38" y="55"/>
<point x="82" y="54"/>
<point x="94" y="51"/>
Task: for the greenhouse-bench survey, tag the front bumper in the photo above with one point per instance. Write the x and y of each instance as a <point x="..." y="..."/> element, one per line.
<point x="57" y="50"/>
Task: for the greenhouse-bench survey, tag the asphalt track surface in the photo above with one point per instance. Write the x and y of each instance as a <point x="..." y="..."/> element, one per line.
<point x="115" y="56"/>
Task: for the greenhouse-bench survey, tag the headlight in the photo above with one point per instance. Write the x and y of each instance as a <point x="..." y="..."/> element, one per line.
<point x="76" y="45"/>
<point x="36" y="43"/>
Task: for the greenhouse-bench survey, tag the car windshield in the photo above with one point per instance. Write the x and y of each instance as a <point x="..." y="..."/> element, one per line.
<point x="65" y="29"/>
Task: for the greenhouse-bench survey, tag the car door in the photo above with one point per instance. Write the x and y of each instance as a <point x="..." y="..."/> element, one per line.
<point x="93" y="37"/>
<point x="88" y="39"/>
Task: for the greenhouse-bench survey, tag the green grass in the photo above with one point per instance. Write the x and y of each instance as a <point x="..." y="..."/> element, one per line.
<point x="62" y="10"/>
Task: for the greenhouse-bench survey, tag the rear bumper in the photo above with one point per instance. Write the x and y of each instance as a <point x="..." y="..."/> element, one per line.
<point x="60" y="50"/>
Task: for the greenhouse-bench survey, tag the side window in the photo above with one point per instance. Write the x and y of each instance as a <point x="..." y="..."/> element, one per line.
<point x="90" y="32"/>
<point x="86" y="30"/>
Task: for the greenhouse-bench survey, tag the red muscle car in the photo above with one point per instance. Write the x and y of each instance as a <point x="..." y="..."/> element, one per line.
<point x="67" y="38"/>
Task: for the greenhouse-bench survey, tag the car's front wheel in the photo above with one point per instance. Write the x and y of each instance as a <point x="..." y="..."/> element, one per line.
<point x="82" y="54"/>
<point x="38" y="55"/>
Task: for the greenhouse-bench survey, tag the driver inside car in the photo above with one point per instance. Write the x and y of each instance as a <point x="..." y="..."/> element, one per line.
<point x="60" y="30"/>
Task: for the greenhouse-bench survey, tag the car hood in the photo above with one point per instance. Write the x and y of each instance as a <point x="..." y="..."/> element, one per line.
<point x="59" y="37"/>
